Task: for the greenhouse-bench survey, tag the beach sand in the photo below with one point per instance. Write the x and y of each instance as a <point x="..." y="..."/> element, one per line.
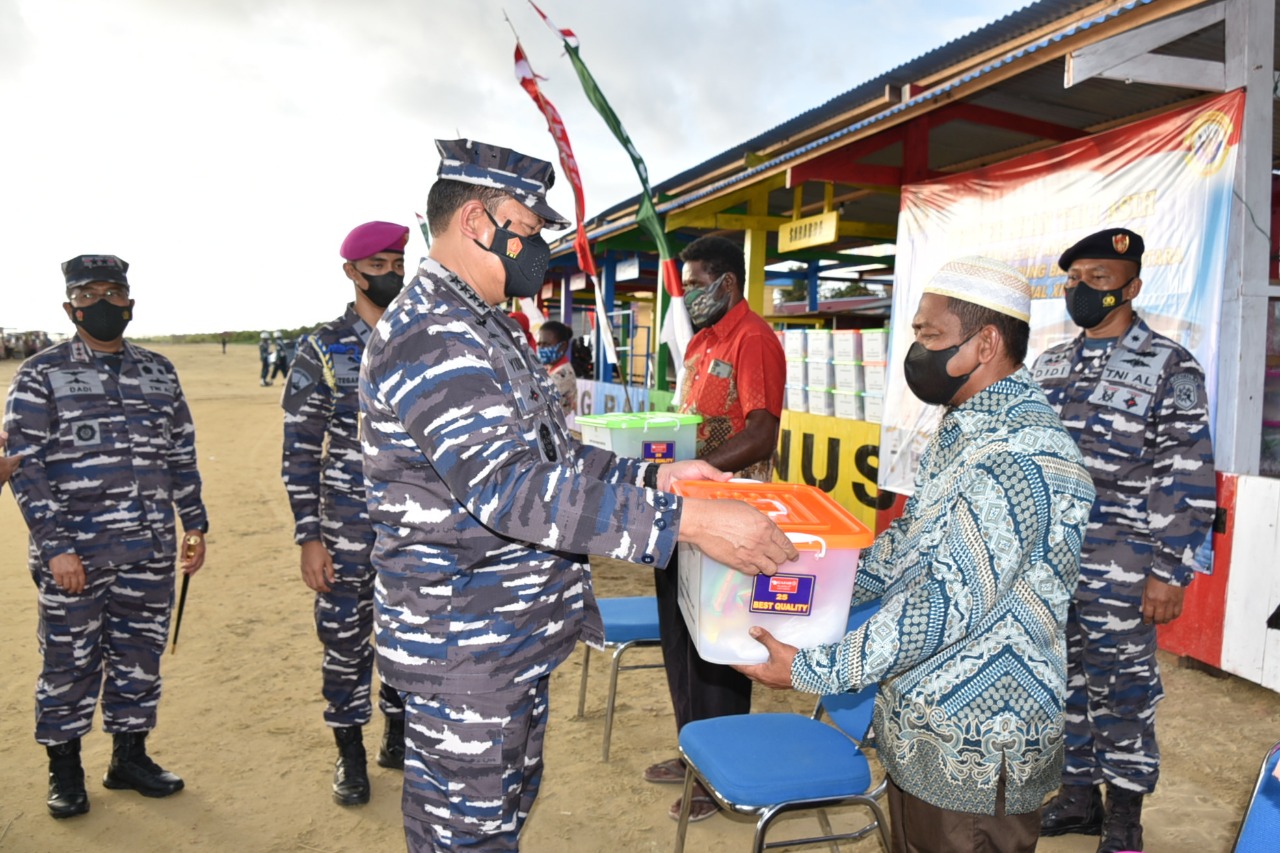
<point x="241" y="714"/>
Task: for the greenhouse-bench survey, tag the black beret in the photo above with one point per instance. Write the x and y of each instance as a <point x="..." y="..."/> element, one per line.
<point x="1113" y="244"/>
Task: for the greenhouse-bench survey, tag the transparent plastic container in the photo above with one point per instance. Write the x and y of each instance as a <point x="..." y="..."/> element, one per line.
<point x="651" y="436"/>
<point x="805" y="604"/>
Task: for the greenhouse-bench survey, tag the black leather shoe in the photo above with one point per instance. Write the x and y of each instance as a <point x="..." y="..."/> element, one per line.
<point x="391" y="754"/>
<point x="132" y="769"/>
<point x="1076" y="808"/>
<point x="1122" y="830"/>
<point x="67" y="796"/>
<point x="350" y="771"/>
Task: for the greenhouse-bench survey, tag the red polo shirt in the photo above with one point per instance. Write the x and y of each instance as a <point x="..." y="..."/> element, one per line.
<point x="730" y="370"/>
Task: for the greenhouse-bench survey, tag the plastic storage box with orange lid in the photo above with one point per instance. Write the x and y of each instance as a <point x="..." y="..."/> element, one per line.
<point x="805" y="604"/>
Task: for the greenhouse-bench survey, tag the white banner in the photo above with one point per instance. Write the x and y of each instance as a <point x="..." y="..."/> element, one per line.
<point x="1168" y="178"/>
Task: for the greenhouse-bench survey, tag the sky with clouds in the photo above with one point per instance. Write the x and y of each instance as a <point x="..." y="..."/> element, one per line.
<point x="225" y="147"/>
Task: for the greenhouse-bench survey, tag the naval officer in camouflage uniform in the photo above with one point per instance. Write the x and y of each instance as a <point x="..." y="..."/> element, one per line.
<point x="485" y="507"/>
<point x="107" y="449"/>
<point x="1135" y="403"/>
<point x="322" y="471"/>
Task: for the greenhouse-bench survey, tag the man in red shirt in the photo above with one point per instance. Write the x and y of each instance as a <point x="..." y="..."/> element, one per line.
<point x="734" y="376"/>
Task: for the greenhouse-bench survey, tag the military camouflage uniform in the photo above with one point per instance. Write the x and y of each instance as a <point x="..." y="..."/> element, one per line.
<point x="107" y="453"/>
<point x="1138" y="410"/>
<point x="264" y="355"/>
<point x="484" y="509"/>
<point x="322" y="475"/>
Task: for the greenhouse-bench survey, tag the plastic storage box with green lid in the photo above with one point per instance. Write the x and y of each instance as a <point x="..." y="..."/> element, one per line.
<point x="651" y="436"/>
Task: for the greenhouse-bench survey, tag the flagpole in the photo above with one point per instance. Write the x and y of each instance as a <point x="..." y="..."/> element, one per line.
<point x="646" y="218"/>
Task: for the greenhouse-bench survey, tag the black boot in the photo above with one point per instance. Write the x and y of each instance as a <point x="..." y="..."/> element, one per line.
<point x="350" y="773"/>
<point x="1076" y="808"/>
<point x="67" y="796"/>
<point x="392" y="752"/>
<point x="1123" y="827"/>
<point x="131" y="768"/>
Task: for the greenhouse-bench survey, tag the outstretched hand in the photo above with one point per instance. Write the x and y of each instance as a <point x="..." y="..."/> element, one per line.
<point x="775" y="673"/>
<point x="689" y="469"/>
<point x="736" y="534"/>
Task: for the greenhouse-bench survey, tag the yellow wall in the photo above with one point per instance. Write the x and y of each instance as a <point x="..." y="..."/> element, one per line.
<point x="844" y="458"/>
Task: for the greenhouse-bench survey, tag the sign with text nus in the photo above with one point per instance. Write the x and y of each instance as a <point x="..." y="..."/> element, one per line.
<point x="837" y="455"/>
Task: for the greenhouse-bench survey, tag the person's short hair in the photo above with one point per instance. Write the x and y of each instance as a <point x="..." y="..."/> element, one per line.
<point x="558" y="330"/>
<point x="719" y="256"/>
<point x="1015" y="333"/>
<point x="446" y="196"/>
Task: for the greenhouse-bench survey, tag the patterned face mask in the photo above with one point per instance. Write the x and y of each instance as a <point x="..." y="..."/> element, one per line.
<point x="524" y="259"/>
<point x="550" y="355"/>
<point x="704" y="306"/>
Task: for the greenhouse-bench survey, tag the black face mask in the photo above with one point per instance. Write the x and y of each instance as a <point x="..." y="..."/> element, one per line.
<point x="1089" y="307"/>
<point x="383" y="288"/>
<point x="103" y="321"/>
<point x="926" y="373"/>
<point x="524" y="259"/>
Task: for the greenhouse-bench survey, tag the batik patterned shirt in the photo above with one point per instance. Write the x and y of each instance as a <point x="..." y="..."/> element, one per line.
<point x="732" y="369"/>
<point x="975" y="579"/>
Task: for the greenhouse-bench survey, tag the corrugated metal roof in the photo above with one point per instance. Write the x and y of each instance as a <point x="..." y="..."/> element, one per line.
<point x="1012" y="26"/>
<point x="1035" y="91"/>
<point x="905" y="105"/>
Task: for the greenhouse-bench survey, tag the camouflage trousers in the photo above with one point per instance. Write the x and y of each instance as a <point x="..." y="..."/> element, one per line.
<point x="472" y="767"/>
<point x="120" y="624"/>
<point x="1113" y="686"/>
<point x="344" y="623"/>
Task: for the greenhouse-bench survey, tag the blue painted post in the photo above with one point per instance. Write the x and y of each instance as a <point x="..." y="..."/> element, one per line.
<point x="813" y="287"/>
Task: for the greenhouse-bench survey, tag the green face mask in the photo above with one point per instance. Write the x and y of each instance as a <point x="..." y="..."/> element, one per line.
<point x="705" y="307"/>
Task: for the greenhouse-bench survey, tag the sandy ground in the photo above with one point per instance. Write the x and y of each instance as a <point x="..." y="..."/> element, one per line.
<point x="241" y="716"/>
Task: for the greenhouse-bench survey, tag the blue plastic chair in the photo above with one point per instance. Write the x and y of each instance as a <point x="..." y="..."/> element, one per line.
<point x="765" y="765"/>
<point x="628" y="623"/>
<point x="1260" y="830"/>
<point x="738" y="762"/>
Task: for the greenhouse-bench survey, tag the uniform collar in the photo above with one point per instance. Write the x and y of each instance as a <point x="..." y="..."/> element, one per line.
<point x="80" y="351"/>
<point x="433" y="269"/>
<point x="357" y="323"/>
<point x="1136" y="338"/>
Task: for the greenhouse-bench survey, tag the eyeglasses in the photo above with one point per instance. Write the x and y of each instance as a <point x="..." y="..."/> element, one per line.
<point x="82" y="297"/>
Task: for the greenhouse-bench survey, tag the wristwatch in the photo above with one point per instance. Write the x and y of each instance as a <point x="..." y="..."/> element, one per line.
<point x="651" y="476"/>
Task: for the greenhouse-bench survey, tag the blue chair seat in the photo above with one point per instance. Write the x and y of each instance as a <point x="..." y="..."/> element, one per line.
<point x="769" y="764"/>
<point x="1261" y="826"/>
<point x="805" y="759"/>
<point x="629" y="623"/>
<point x="629" y="619"/>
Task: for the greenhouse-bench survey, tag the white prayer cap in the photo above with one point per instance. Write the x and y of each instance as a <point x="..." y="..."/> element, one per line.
<point x="985" y="282"/>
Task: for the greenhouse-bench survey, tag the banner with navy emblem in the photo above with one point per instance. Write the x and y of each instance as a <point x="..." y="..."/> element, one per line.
<point x="1169" y="178"/>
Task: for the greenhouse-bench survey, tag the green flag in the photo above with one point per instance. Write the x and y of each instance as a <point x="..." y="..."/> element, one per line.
<point x="647" y="215"/>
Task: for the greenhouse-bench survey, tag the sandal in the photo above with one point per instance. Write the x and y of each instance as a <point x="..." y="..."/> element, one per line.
<point x="701" y="805"/>
<point x="666" y="772"/>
